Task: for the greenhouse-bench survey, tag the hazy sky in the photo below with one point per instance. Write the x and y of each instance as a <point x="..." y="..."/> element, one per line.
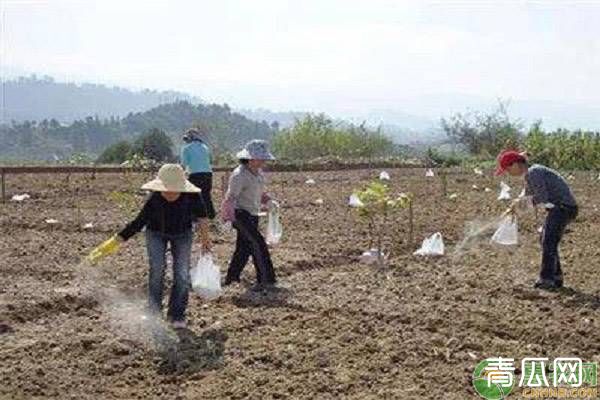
<point x="329" y="55"/>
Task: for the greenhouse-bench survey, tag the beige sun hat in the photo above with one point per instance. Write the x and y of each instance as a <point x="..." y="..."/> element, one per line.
<point x="171" y="178"/>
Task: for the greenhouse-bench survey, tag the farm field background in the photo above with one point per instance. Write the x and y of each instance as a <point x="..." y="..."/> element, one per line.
<point x="343" y="330"/>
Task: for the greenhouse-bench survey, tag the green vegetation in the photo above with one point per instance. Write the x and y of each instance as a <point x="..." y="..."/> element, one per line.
<point x="485" y="135"/>
<point x="49" y="140"/>
<point x="563" y="149"/>
<point x="378" y="205"/>
<point x="317" y="136"/>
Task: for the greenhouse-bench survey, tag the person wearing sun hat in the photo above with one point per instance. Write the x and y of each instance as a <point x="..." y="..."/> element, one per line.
<point x="167" y="215"/>
<point x="543" y="187"/>
<point x="242" y="204"/>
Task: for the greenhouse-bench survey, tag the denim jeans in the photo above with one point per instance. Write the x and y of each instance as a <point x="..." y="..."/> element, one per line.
<point x="557" y="220"/>
<point x="250" y="242"/>
<point x="181" y="250"/>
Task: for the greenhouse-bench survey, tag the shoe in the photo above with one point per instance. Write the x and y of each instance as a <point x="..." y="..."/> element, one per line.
<point x="558" y="280"/>
<point x="179" y="324"/>
<point x="275" y="286"/>
<point x="229" y="281"/>
<point x="258" y="287"/>
<point x="547" y="284"/>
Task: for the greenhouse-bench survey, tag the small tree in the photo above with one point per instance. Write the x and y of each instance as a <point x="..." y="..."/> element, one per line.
<point x="377" y="206"/>
<point x="155" y="145"/>
<point x="117" y="153"/>
<point x="484" y="134"/>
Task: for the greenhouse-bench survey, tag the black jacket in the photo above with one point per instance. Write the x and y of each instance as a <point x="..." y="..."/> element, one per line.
<point x="170" y="218"/>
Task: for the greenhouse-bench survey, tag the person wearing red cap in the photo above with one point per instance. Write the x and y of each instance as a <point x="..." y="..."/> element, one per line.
<point x="545" y="187"/>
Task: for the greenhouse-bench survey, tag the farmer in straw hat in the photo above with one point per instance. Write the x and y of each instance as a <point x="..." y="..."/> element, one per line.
<point x="243" y="202"/>
<point x="544" y="187"/>
<point x="168" y="215"/>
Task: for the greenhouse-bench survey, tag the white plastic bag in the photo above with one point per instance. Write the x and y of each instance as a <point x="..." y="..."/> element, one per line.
<point x="354" y="201"/>
<point x="504" y="192"/>
<point x="20" y="197"/>
<point x="429" y="173"/>
<point x="319" y="202"/>
<point x="432" y="246"/>
<point x="206" y="278"/>
<point x="310" y="182"/>
<point x="507" y="233"/>
<point x="478" y="171"/>
<point x="384" y="176"/>
<point x="274" y="228"/>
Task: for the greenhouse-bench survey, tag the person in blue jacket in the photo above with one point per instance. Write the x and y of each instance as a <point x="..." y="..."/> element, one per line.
<point x="196" y="160"/>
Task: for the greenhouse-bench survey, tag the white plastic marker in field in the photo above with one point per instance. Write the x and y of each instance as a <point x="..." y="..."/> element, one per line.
<point x="429" y="173"/>
<point x="88" y="226"/>
<point x="453" y="196"/>
<point x="20" y="197"/>
<point x="371" y="256"/>
<point x="310" y="182"/>
<point x="52" y="221"/>
<point x="384" y="176"/>
<point x="487" y="190"/>
<point x="507" y="233"/>
<point x="504" y="192"/>
<point x="478" y="171"/>
<point x="432" y="246"/>
<point x="319" y="202"/>
<point x="206" y="278"/>
<point x="475" y="187"/>
<point x="354" y="201"/>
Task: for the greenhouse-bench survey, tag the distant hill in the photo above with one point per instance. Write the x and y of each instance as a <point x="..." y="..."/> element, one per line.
<point x="33" y="98"/>
<point x="282" y="119"/>
<point x="48" y="139"/>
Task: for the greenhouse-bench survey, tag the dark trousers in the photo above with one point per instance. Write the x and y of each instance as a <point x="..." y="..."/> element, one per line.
<point x="554" y="227"/>
<point x="203" y="180"/>
<point x="250" y="242"/>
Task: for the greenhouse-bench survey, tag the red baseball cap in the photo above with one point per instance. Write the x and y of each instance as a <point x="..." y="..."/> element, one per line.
<point x="508" y="158"/>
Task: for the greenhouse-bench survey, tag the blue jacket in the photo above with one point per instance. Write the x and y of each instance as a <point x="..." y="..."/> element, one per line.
<point x="195" y="157"/>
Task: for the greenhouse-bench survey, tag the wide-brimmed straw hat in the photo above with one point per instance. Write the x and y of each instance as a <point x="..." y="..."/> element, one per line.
<point x="171" y="178"/>
<point x="255" y="150"/>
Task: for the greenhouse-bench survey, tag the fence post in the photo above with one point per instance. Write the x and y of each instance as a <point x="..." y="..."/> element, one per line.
<point x="3" y="187"/>
<point x="411" y="227"/>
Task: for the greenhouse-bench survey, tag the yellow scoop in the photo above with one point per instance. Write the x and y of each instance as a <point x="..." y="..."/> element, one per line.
<point x="105" y="249"/>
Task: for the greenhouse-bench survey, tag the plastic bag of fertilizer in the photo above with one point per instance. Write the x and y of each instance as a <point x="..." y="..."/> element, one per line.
<point x="429" y="173"/>
<point x="354" y="201"/>
<point x="384" y="176"/>
<point x="507" y="233"/>
<point x="206" y="278"/>
<point x="504" y="192"/>
<point x="432" y="246"/>
<point x="274" y="228"/>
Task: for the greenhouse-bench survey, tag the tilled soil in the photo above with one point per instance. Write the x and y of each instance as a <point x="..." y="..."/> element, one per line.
<point x="415" y="329"/>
